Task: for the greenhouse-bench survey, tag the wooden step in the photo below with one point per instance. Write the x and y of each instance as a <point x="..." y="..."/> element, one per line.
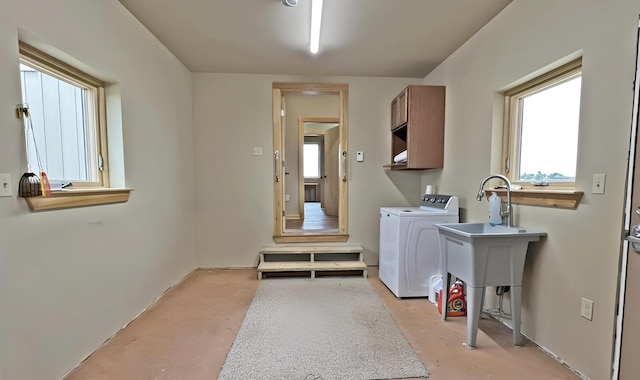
<point x="313" y="262"/>
<point x="304" y="266"/>
<point x="287" y="249"/>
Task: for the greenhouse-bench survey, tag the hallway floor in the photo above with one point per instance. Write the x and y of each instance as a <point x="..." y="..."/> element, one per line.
<point x="188" y="332"/>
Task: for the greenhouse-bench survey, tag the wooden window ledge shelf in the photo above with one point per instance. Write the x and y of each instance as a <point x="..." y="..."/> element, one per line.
<point x="568" y="199"/>
<point x="63" y="199"/>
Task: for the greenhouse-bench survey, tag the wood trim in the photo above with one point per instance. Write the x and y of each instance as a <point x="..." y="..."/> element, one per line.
<point x="565" y="71"/>
<point x="329" y="88"/>
<point x="311" y="238"/>
<point x="64" y="199"/>
<point x="102" y="137"/>
<point x="278" y="191"/>
<point x="511" y="134"/>
<point x="343" y="214"/>
<point x="96" y="109"/>
<point x="66" y="72"/>
<point x="308" y="87"/>
<point x="567" y="199"/>
<point x="301" y="193"/>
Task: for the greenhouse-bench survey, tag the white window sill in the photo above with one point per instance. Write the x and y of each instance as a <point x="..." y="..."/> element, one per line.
<point x="547" y="198"/>
<point x="62" y="199"/>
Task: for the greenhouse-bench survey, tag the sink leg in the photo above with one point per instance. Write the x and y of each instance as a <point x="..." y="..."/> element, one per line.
<point x="516" y="294"/>
<point x="474" y="306"/>
<point x="445" y="294"/>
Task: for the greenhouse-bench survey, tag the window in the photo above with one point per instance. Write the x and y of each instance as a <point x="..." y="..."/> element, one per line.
<point x="66" y="126"/>
<point x="541" y="129"/>
<point x="311" y="160"/>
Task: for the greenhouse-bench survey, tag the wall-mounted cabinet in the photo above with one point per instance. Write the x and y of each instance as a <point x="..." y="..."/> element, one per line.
<point x="417" y="127"/>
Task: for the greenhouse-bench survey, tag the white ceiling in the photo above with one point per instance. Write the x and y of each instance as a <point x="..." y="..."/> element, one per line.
<point x="381" y="38"/>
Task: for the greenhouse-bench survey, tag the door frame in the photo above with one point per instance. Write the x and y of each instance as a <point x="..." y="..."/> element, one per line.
<point x="279" y="234"/>
<point x="628" y="213"/>
<point x="301" y="135"/>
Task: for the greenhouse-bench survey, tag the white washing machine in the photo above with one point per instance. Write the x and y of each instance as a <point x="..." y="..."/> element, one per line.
<point x="409" y="245"/>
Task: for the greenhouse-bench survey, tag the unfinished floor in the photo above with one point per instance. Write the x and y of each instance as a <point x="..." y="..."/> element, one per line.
<point x="188" y="332"/>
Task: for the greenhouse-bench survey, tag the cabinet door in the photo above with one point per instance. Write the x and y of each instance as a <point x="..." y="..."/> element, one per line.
<point x="402" y="108"/>
<point x="399" y="110"/>
<point x="394" y="113"/>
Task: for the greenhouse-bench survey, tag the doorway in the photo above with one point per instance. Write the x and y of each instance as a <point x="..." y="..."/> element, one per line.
<point x="312" y="206"/>
<point x="318" y="185"/>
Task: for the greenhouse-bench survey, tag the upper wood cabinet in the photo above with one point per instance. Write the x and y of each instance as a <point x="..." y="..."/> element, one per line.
<point x="417" y="126"/>
<point x="399" y="110"/>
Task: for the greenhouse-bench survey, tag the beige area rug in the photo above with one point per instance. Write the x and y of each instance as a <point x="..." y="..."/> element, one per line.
<point x="320" y="329"/>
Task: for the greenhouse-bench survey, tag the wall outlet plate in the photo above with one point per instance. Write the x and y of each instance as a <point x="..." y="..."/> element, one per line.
<point x="597" y="187"/>
<point x="257" y="151"/>
<point x="586" y="310"/>
<point x="5" y="185"/>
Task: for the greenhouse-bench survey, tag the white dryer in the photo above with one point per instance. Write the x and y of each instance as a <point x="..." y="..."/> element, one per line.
<point x="409" y="245"/>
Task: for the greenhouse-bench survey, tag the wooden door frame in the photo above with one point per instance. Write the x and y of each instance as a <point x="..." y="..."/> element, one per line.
<point x="278" y="90"/>
<point x="301" y="133"/>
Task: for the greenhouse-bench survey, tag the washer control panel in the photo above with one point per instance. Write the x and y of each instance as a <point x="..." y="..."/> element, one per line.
<point x="437" y="201"/>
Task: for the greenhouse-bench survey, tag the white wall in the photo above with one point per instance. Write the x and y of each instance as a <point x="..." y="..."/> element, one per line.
<point x="234" y="189"/>
<point x="579" y="258"/>
<point x="69" y="279"/>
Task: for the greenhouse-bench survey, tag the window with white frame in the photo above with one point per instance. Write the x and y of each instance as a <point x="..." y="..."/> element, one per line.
<point x="541" y="129"/>
<point x="66" y="127"/>
<point x="311" y="160"/>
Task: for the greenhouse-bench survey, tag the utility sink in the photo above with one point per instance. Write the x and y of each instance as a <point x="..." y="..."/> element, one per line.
<point x="481" y="255"/>
<point x="483" y="230"/>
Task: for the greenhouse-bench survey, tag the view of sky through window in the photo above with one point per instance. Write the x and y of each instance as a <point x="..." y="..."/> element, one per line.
<point x="550" y="120"/>
<point x="312" y="160"/>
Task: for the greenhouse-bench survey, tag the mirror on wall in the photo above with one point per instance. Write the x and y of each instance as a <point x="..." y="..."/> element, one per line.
<point x="310" y="144"/>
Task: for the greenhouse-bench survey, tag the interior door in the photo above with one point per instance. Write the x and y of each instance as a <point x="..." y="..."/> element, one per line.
<point x="628" y="344"/>
<point x="331" y="161"/>
<point x="630" y="338"/>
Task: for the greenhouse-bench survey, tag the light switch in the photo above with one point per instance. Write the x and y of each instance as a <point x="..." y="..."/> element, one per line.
<point x="5" y="185"/>
<point x="359" y="156"/>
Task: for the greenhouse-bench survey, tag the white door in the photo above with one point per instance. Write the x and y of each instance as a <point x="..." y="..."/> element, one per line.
<point x="628" y="342"/>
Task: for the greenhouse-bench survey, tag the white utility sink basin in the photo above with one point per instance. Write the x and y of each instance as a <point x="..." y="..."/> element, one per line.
<point x="487" y="230"/>
<point x="481" y="255"/>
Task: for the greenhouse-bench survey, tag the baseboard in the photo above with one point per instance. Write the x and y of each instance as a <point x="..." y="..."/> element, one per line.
<point x="292" y="217"/>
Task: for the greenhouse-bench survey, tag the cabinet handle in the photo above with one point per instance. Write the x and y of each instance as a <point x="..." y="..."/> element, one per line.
<point x="277" y="158"/>
<point x="344" y="166"/>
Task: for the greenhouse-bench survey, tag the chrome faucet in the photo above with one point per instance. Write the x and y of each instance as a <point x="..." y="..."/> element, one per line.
<point x="508" y="213"/>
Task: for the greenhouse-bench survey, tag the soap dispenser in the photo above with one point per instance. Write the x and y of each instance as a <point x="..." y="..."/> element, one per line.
<point x="495" y="206"/>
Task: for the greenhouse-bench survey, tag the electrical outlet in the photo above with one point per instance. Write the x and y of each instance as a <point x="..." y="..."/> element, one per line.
<point x="257" y="151"/>
<point x="287" y="198"/>
<point x="586" y="311"/>
<point x="597" y="187"/>
<point x="5" y="185"/>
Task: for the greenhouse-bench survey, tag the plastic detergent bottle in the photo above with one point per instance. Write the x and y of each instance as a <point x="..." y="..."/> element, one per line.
<point x="494" y="209"/>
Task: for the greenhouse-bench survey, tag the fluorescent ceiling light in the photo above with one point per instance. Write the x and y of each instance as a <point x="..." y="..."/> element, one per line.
<point x="316" y="18"/>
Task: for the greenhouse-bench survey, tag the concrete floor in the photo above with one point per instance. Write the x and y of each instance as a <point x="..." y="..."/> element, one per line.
<point x="187" y="333"/>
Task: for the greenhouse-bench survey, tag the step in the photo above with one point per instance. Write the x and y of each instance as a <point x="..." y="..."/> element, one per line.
<point x="315" y="262"/>
<point x="304" y="266"/>
<point x="288" y="249"/>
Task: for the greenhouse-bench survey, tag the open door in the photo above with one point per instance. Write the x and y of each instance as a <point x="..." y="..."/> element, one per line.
<point x="626" y="363"/>
<point x="330" y="193"/>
